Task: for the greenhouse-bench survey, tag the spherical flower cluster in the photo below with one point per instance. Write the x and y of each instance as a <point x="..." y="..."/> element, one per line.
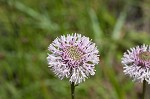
<point x="136" y="63"/>
<point x="73" y="56"/>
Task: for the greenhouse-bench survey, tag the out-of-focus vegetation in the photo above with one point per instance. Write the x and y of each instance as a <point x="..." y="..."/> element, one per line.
<point x="27" y="27"/>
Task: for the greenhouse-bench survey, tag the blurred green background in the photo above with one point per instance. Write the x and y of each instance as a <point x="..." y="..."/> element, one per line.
<point x="27" y="27"/>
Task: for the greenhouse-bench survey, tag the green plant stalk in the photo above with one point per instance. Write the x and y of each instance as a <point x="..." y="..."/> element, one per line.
<point x="144" y="89"/>
<point x="72" y="90"/>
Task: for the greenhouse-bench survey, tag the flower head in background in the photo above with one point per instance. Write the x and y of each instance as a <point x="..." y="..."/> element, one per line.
<point x="73" y="56"/>
<point x="136" y="63"/>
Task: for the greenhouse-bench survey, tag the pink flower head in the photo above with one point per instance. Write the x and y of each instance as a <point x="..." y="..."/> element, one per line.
<point x="136" y="63"/>
<point x="73" y="56"/>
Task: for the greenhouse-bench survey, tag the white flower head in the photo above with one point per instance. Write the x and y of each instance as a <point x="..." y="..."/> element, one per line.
<point x="136" y="63"/>
<point x="74" y="57"/>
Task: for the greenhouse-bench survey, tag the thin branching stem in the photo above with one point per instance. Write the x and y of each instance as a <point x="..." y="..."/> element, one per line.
<point x="72" y="90"/>
<point x="144" y="89"/>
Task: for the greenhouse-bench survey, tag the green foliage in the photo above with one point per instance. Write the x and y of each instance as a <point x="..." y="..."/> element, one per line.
<point x="27" y="27"/>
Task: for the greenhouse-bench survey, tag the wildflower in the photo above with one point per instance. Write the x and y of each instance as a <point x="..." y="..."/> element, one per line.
<point x="136" y="63"/>
<point x="73" y="56"/>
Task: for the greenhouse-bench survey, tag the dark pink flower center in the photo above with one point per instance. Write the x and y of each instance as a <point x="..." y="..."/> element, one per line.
<point x="72" y="56"/>
<point x="73" y="53"/>
<point x="143" y="59"/>
<point x="144" y="56"/>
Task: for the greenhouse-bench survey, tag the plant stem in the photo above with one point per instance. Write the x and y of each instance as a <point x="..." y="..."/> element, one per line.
<point x="72" y="90"/>
<point x="144" y="89"/>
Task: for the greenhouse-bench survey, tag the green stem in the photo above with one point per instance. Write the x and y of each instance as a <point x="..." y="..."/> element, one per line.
<point x="72" y="90"/>
<point x="144" y="89"/>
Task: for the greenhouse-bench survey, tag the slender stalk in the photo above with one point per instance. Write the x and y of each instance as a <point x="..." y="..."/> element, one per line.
<point x="144" y="89"/>
<point x="72" y="90"/>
